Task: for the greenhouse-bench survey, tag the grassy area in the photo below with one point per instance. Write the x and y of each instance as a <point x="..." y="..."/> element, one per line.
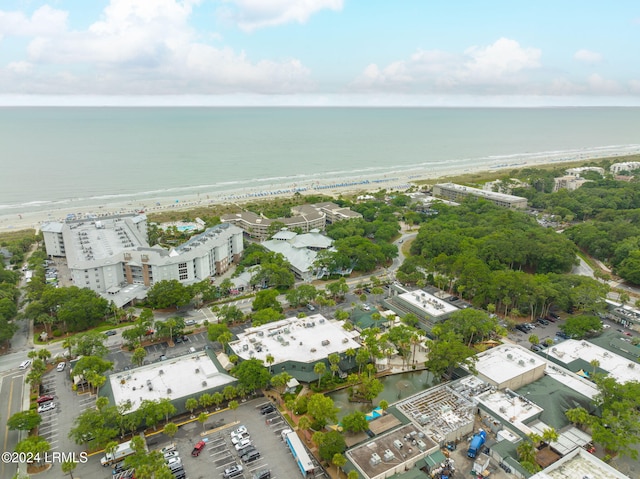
<point x="486" y="176"/>
<point x="8" y="236"/>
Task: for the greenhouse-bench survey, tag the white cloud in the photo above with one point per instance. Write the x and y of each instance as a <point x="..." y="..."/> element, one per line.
<point x="587" y="56"/>
<point x="20" y="67"/>
<point x="498" y="64"/>
<point x="44" y="21"/>
<point x="500" y="59"/>
<point x="149" y="47"/>
<point x="601" y="85"/>
<point x="254" y="14"/>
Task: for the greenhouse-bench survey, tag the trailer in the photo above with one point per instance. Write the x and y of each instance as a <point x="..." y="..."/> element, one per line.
<point x="123" y="450"/>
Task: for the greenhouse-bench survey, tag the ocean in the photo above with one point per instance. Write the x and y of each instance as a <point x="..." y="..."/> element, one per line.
<point x="62" y="157"/>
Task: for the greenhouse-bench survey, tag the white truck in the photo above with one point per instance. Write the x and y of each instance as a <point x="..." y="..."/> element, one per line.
<point x="123" y="450"/>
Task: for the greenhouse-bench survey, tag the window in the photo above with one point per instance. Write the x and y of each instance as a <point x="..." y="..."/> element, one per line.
<point x="182" y="271"/>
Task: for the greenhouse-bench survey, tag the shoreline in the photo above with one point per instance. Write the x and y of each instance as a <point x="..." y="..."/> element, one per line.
<point x="18" y="220"/>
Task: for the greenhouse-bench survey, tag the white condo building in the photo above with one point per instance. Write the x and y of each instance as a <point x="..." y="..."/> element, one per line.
<point x="111" y="255"/>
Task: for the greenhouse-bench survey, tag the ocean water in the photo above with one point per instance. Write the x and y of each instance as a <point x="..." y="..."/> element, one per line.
<point x="52" y="157"/>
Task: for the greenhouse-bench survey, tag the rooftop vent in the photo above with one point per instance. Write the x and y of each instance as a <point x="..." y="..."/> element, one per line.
<point x="169" y="391"/>
<point x="204" y="384"/>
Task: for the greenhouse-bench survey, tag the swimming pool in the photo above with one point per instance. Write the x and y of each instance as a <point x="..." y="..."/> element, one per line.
<point x="183" y="228"/>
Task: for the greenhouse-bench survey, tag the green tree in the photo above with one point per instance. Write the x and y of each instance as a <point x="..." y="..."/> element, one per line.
<point x="338" y="460"/>
<point x="168" y="293"/>
<point x="90" y="344"/>
<point x="230" y="314"/>
<point x="355" y="422"/>
<point x="206" y="400"/>
<point x="447" y="352"/>
<point x="191" y="405"/>
<point x="138" y="356"/>
<point x="170" y="429"/>
<point x="353" y="474"/>
<point x="580" y="326"/>
<point x="24" y="420"/>
<point x="68" y="467"/>
<point x="202" y="418"/>
<point x="267" y="298"/>
<point x="320" y="368"/>
<point x="331" y="443"/>
<point x="35" y="446"/>
<point x="265" y="316"/>
<point x="251" y="374"/>
<point x="214" y="331"/>
<point x="322" y="409"/>
<point x="280" y="381"/>
<point x="233" y="405"/>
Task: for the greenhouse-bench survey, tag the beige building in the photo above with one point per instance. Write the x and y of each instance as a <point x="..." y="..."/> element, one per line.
<point x="454" y="192"/>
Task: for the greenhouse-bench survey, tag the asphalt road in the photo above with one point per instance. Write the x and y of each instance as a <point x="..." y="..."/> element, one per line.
<point x="11" y="401"/>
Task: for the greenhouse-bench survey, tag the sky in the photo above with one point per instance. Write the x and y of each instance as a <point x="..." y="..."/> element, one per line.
<point x="320" y="52"/>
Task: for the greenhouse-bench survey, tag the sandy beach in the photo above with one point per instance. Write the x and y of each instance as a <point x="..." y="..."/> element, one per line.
<point x="19" y="220"/>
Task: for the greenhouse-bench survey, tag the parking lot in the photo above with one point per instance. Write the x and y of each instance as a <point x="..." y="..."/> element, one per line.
<point x="156" y="351"/>
<point x="219" y="453"/>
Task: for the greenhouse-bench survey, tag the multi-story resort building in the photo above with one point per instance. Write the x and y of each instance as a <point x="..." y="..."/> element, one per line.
<point x="305" y="218"/>
<point x="618" y="168"/>
<point x="112" y="257"/>
<point x="454" y="192"/>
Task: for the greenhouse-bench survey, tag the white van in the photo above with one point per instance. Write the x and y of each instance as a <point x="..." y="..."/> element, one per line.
<point x="25" y="364"/>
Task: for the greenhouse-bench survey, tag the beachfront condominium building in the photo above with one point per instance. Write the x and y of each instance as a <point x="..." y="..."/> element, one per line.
<point x="627" y="166"/>
<point x="305" y="218"/>
<point x="454" y="192"/>
<point x="111" y="255"/>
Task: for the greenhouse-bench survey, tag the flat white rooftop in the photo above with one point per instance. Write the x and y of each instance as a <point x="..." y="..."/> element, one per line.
<point x="511" y="407"/>
<point x="622" y="369"/>
<point x="579" y="464"/>
<point x="173" y="379"/>
<point x="506" y="362"/>
<point x="432" y="306"/>
<point x="305" y="340"/>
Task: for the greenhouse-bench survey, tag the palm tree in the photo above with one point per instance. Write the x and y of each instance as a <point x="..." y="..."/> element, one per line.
<point x="270" y="360"/>
<point x="338" y="460"/>
<point x="596" y="364"/>
<point x="202" y="418"/>
<point x="320" y="368"/>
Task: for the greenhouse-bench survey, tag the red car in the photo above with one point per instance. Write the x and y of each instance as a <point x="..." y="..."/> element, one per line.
<point x="627" y="333"/>
<point x="43" y="399"/>
<point x="197" y="449"/>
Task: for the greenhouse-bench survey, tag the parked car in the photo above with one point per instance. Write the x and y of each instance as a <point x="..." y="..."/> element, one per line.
<point x="197" y="449"/>
<point x="246" y="450"/>
<point x="543" y="321"/>
<point x="61" y="366"/>
<point x="536" y="348"/>
<point x="250" y="456"/>
<point x="168" y="448"/>
<point x="48" y="406"/>
<point x="553" y="315"/>
<point x="239" y="430"/>
<point x="171" y="454"/>
<point x="522" y="328"/>
<point x="550" y="318"/>
<point x="173" y="460"/>
<point x="190" y="322"/>
<point x="44" y="398"/>
<point x="239" y="438"/>
<point x="265" y="474"/>
<point x="267" y="409"/>
<point x="232" y="471"/>
<point x="111" y="333"/>
<point x="242" y="444"/>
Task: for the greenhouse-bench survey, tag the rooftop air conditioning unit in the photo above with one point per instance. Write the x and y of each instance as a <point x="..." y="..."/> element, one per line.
<point x="169" y="391"/>
<point x="204" y="384"/>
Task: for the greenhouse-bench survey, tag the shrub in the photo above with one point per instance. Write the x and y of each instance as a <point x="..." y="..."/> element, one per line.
<point x="57" y="333"/>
